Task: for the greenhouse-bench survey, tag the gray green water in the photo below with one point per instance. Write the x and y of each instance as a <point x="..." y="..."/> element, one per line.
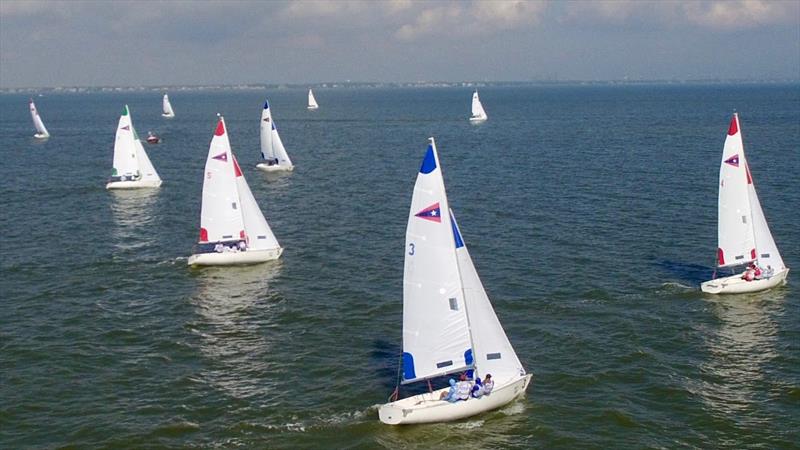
<point x="590" y="213"/>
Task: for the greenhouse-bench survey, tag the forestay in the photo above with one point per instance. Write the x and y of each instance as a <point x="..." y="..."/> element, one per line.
<point x="736" y="240"/>
<point x="436" y="337"/>
<point x="221" y="213"/>
<point x="493" y="352"/>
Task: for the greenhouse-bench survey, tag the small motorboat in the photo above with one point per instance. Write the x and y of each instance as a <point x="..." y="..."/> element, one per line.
<point x="152" y="138"/>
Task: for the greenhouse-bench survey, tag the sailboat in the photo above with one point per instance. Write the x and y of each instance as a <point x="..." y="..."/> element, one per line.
<point x="132" y="168"/>
<point x="478" y="113"/>
<point x="166" y="106"/>
<point x="232" y="228"/>
<point x="272" y="151"/>
<point x="449" y="324"/>
<point x="312" y="102"/>
<point x="41" y="131"/>
<point x="743" y="234"/>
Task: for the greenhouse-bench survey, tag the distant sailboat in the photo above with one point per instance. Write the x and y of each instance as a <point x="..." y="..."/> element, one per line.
<point x="132" y="167"/>
<point x="233" y="229"/>
<point x="312" y="102"/>
<point x="743" y="233"/>
<point x="478" y="113"/>
<point x="41" y="131"/>
<point x="166" y="106"/>
<point x="272" y="151"/>
<point x="449" y="324"/>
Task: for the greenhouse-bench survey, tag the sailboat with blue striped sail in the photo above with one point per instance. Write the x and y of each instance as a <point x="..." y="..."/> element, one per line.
<point x="449" y="324"/>
<point x="273" y="153"/>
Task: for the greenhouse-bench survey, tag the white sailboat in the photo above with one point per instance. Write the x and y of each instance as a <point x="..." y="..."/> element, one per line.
<point x="41" y="131"/>
<point x="312" y="102"/>
<point x="743" y="233"/>
<point x="233" y="229"/>
<point x="449" y="324"/>
<point x="132" y="168"/>
<point x="272" y="150"/>
<point x="166" y="106"/>
<point x="478" y="113"/>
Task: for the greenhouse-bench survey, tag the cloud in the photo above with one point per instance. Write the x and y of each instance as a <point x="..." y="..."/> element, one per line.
<point x="731" y="15"/>
<point x="703" y="14"/>
<point x="476" y="18"/>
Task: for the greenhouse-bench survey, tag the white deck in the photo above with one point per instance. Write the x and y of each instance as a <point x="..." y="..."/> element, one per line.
<point x="133" y="184"/>
<point x="274" y="168"/>
<point x="734" y="284"/>
<point x="234" y="258"/>
<point x="427" y="408"/>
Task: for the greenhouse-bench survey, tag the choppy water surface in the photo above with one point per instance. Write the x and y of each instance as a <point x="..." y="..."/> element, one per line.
<point x="590" y="213"/>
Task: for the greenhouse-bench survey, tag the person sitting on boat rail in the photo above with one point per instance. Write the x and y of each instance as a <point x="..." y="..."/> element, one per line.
<point x="242" y="246"/>
<point x="488" y="384"/>
<point x="463" y="388"/>
<point x="477" y="389"/>
<point x="768" y="272"/>
<point x="749" y="273"/>
<point x="450" y="395"/>
<point x="219" y="248"/>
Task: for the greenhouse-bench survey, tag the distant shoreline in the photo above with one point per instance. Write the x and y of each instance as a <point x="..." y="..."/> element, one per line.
<point x="382" y="85"/>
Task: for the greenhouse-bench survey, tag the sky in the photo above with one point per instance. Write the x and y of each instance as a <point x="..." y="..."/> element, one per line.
<point x="162" y="43"/>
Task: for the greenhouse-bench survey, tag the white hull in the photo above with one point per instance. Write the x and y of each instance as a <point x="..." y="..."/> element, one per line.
<point x="235" y="258"/>
<point x="168" y="116"/>
<point x="274" y="168"/>
<point x="313" y="107"/>
<point x="427" y="408"/>
<point x="133" y="184"/>
<point x="477" y="119"/>
<point x="41" y="136"/>
<point x="734" y="284"/>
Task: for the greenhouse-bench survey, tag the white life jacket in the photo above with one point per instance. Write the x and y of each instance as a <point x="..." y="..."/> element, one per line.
<point x="463" y="389"/>
<point x="488" y="386"/>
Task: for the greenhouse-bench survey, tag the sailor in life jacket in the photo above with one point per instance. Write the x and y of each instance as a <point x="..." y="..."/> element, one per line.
<point x="463" y="388"/>
<point x="488" y="384"/>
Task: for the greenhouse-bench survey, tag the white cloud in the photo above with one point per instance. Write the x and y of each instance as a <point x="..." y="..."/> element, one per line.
<point x="479" y="17"/>
<point x="741" y="13"/>
<point x="707" y="14"/>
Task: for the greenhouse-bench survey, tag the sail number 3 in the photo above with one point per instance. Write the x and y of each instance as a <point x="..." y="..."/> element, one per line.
<point x="411" y="249"/>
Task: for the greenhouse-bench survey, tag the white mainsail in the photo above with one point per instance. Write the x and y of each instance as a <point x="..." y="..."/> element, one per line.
<point x="41" y="131"/>
<point x="126" y="158"/>
<point x="736" y="240"/>
<point x="267" y="152"/>
<point x="166" y="106"/>
<point x="493" y="352"/>
<point x="221" y="212"/>
<point x="436" y="338"/>
<point x="312" y="102"/>
<point x="258" y="234"/>
<point x="478" y="113"/>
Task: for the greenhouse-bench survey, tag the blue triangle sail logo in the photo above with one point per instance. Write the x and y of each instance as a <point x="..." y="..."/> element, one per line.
<point x="432" y="213"/>
<point x="221" y="157"/>
<point x="733" y="160"/>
